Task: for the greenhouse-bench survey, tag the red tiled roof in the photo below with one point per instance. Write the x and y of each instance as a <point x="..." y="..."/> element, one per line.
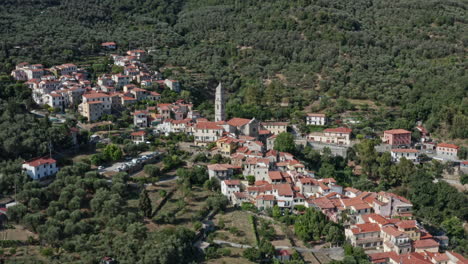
<point x="237" y="122"/>
<point x="405" y="150"/>
<point x="275" y="175"/>
<point x="406" y="224"/>
<point x="284" y="189"/>
<point x="316" y="115"/>
<point x="425" y="243"/>
<point x="208" y="125"/>
<point x="266" y="197"/>
<point x="365" y="228"/>
<point x="396" y="131"/>
<point x="94" y="95"/>
<point x="232" y="182"/>
<point x="392" y="231"/>
<point x="322" y="203"/>
<point x="338" y="130"/>
<point x="138" y="133"/>
<point x="40" y="161"/>
<point x="446" y="145"/>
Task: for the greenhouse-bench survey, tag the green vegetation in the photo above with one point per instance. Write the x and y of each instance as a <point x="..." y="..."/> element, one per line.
<point x="89" y="218"/>
<point x="292" y="53"/>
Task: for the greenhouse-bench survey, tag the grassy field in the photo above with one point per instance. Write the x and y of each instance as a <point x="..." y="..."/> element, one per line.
<point x="237" y="228"/>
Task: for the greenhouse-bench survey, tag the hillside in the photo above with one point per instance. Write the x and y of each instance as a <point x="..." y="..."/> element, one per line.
<point x="405" y="54"/>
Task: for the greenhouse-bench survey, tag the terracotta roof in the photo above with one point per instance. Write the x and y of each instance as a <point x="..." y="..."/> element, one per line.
<point x="338" y="130"/>
<point x="392" y="231"/>
<point x="232" y="182"/>
<point x="275" y="175"/>
<point x="446" y="145"/>
<point x="425" y="243"/>
<point x="322" y="203"/>
<point x="284" y="189"/>
<point x="221" y="167"/>
<point x="39" y="162"/>
<point x="396" y="131"/>
<point x="138" y="133"/>
<point x="266" y="197"/>
<point x="94" y="95"/>
<point x="406" y="224"/>
<point x="237" y="122"/>
<point x="315" y="115"/>
<point x="240" y="195"/>
<point x="376" y="218"/>
<point x="365" y="228"/>
<point x="405" y="150"/>
<point x="208" y="125"/>
<point x="352" y="190"/>
<point x="95" y="102"/>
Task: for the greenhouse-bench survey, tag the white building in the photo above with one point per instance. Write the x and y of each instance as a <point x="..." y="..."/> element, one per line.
<point x="447" y="151"/>
<point x="173" y="85"/>
<point x="140" y="119"/>
<point x="229" y="187"/>
<point x="316" y="119"/>
<point x="409" y="154"/>
<point x="207" y="132"/>
<point x="339" y="135"/>
<point x="40" y="167"/>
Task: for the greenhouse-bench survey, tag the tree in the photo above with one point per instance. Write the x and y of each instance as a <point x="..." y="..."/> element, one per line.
<point x="284" y="142"/>
<point x="252" y="254"/>
<point x="145" y="204"/>
<point x="17" y="212"/>
<point x="251" y="179"/>
<point x="152" y="170"/>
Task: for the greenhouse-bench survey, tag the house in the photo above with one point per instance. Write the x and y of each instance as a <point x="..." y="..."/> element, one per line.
<point x="283" y="255"/>
<point x="364" y="235"/>
<point x="65" y="69"/>
<point x="229" y="187"/>
<point x="397" y="137"/>
<point x="54" y="100"/>
<point x="447" y="151"/>
<point x="429" y="245"/>
<point x="138" y="53"/>
<point x="270" y="142"/>
<point x="409" y="154"/>
<point x="207" y="132"/>
<point x="464" y="166"/>
<point x="392" y="205"/>
<point x="40" y="168"/>
<point x="221" y="171"/>
<point x="226" y="145"/>
<point x="257" y="167"/>
<point x="275" y="127"/>
<point x="92" y="110"/>
<point x="410" y="228"/>
<point x="395" y="240"/>
<point x="94" y="105"/>
<point x="121" y="80"/>
<point x="315" y="119"/>
<point x="340" y="136"/>
<point x="140" y="119"/>
<point x="138" y="137"/>
<point x="265" y="201"/>
<point x="109" y="45"/>
<point x="173" y="85"/>
<point x="243" y="127"/>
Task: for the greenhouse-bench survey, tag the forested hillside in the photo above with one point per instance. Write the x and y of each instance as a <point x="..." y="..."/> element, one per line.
<point x="408" y="55"/>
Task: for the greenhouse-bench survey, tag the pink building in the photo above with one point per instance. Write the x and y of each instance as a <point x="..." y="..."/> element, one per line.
<point x="397" y="137"/>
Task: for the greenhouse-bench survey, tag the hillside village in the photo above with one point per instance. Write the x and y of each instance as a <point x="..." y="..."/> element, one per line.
<point x="256" y="173"/>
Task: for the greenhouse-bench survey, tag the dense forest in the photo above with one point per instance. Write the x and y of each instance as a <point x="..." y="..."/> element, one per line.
<point x="405" y="55"/>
